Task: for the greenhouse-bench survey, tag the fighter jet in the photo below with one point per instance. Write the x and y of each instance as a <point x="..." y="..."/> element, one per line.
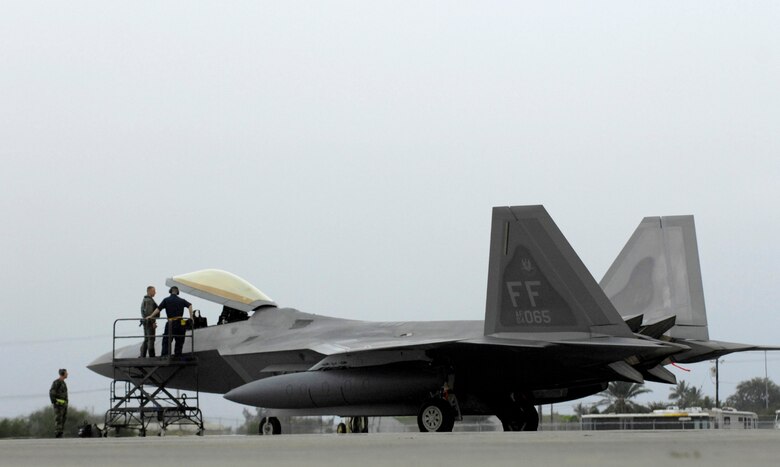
<point x="550" y="334"/>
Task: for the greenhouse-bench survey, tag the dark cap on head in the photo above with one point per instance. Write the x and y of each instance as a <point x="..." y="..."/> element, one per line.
<point x="174" y="290"/>
<point x="63" y="371"/>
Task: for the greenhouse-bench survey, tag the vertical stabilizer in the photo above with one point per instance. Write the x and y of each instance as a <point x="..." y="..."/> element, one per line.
<point x="538" y="284"/>
<point x="657" y="274"/>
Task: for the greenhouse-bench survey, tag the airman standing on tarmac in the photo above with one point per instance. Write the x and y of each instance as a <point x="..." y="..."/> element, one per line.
<point x="59" y="399"/>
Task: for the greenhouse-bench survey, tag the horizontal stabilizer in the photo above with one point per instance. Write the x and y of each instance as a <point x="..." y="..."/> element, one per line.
<point x="627" y="372"/>
<point x="619" y="347"/>
<point x="656" y="330"/>
<point x="659" y="374"/>
<point x="605" y="349"/>
<point x="634" y="323"/>
<point x="709" y="350"/>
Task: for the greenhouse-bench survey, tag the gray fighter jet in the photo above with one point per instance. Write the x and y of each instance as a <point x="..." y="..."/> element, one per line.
<point x="550" y="334"/>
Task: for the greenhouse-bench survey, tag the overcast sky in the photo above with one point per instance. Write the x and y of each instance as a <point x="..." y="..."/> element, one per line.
<point x="344" y="157"/>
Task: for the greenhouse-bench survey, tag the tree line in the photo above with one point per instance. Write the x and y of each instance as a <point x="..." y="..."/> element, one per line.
<point x="40" y="424"/>
<point x="759" y="395"/>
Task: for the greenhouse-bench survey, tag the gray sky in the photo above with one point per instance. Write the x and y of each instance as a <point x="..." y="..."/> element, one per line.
<point x="344" y="157"/>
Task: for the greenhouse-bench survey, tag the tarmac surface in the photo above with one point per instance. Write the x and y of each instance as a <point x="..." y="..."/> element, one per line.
<point x="582" y="448"/>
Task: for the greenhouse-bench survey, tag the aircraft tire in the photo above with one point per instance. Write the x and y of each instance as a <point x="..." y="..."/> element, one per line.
<point x="270" y="426"/>
<point x="531" y="418"/>
<point x="435" y="414"/>
<point x="520" y="418"/>
<point x="358" y="424"/>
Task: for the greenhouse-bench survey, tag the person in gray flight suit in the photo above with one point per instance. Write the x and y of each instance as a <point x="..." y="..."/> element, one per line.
<point x="148" y="305"/>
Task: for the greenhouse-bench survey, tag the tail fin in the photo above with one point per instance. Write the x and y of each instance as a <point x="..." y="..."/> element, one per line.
<point x="538" y="284"/>
<point x="657" y="274"/>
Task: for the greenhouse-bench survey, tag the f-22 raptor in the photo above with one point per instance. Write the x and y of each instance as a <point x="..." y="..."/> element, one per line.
<point x="551" y="333"/>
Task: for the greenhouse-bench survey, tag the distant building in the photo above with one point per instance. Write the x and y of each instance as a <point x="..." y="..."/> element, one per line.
<point x="694" y="418"/>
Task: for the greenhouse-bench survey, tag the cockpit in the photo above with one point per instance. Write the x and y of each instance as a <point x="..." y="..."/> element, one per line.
<point x="238" y="297"/>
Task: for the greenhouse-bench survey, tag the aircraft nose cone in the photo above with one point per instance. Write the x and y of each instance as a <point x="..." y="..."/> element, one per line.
<point x="103" y="365"/>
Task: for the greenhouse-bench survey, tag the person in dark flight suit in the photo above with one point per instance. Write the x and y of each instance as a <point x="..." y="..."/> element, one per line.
<point x="174" y="310"/>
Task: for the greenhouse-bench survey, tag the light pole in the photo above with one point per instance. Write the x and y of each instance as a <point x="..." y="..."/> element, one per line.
<point x="717" y="383"/>
<point x="766" y="383"/>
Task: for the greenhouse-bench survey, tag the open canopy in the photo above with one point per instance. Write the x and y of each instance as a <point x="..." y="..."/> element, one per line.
<point x="221" y="287"/>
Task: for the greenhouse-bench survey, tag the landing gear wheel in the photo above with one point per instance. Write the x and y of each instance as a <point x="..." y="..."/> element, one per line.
<point x="435" y="414"/>
<point x="358" y="424"/>
<point x="270" y="426"/>
<point x="532" y="418"/>
<point x="341" y="428"/>
<point x="520" y="418"/>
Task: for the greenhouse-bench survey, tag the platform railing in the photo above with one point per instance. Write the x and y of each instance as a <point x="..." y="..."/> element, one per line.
<point x="189" y="335"/>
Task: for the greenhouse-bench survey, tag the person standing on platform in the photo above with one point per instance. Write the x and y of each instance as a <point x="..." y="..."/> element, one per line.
<point x="174" y="310"/>
<point x="150" y="326"/>
<point x="59" y="399"/>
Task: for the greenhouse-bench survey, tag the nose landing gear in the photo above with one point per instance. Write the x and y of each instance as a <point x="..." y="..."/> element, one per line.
<point x="353" y="425"/>
<point x="270" y="426"/>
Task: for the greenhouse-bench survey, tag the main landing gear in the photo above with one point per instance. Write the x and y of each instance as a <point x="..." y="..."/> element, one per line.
<point x="518" y="415"/>
<point x="436" y="414"/>
<point x="439" y="412"/>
